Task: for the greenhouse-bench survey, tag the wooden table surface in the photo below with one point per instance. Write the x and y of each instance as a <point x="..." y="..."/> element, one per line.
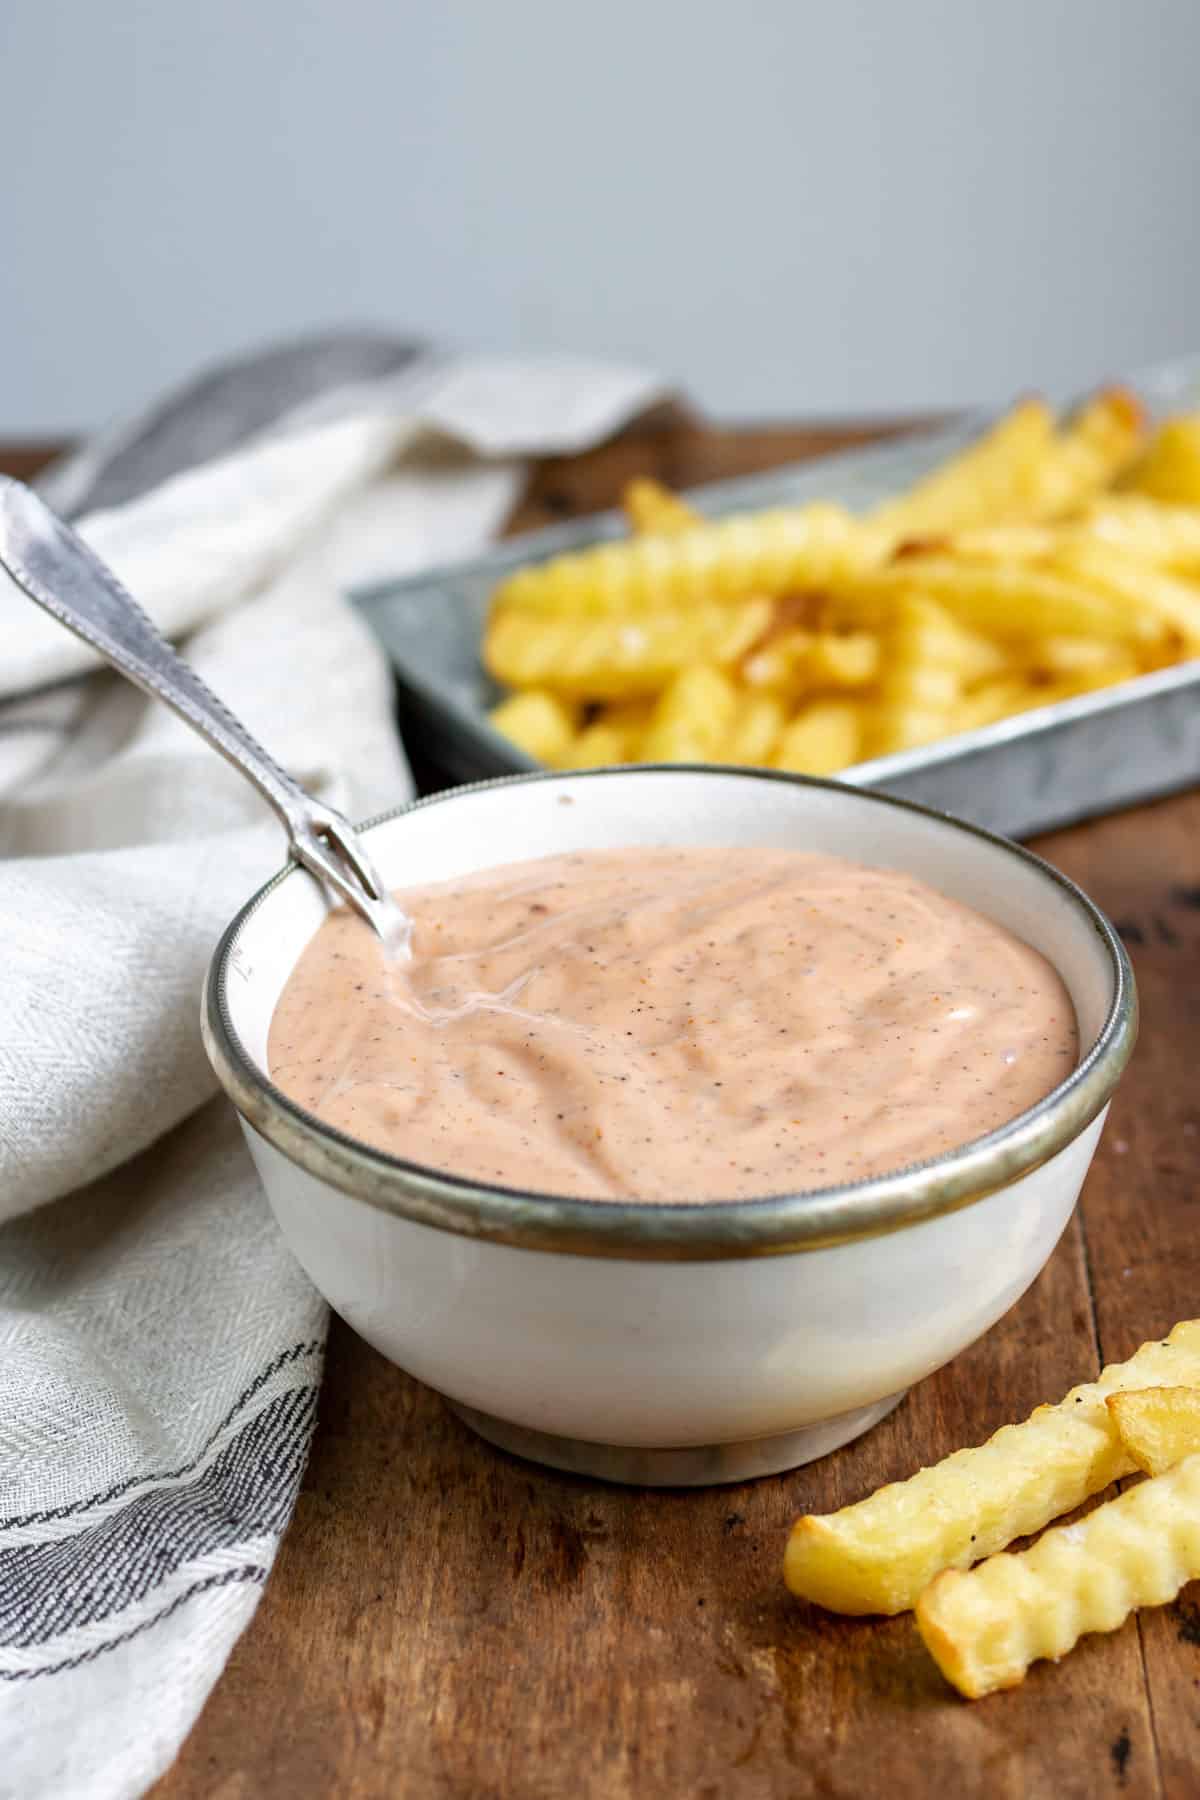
<point x="445" y="1621"/>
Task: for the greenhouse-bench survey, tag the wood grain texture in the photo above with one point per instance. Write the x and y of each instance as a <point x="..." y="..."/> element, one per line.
<point x="445" y="1621"/>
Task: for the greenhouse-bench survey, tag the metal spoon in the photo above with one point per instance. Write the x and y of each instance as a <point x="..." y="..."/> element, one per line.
<point x="58" y="571"/>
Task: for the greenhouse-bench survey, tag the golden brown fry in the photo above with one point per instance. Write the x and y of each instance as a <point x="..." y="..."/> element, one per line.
<point x="984" y="1628"/>
<point x="754" y="730"/>
<point x="986" y="484"/>
<point x="1089" y="681"/>
<point x="1170" y="469"/>
<point x="617" y="659"/>
<point x="1007" y="601"/>
<point x="745" y="556"/>
<point x="779" y="663"/>
<point x="1168" y="599"/>
<point x="692" y="718"/>
<point x="1089" y="453"/>
<point x="822" y="738"/>
<point x="795" y="659"/>
<point x="537" y="722"/>
<point x="1146" y="529"/>
<point x="1013" y="694"/>
<point x="879" y="1554"/>
<point x="651" y="507"/>
<point x="1050" y="657"/>
<point x="614" y="735"/>
<point x="999" y="699"/>
<point x="929" y="661"/>
<point x="990" y="543"/>
<point x="598" y="746"/>
<point x="848" y="659"/>
<point x="1158" y="1426"/>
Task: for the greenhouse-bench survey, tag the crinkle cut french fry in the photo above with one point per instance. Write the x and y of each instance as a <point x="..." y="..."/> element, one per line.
<point x="1088" y="681"/>
<point x="1166" y="597"/>
<point x="1066" y="656"/>
<point x="754" y="731"/>
<point x="1018" y="693"/>
<point x="741" y="557"/>
<point x="1009" y="601"/>
<point x="879" y="1554"/>
<point x="999" y="699"/>
<point x="987" y="484"/>
<point x="1170" y="469"/>
<point x="779" y="663"/>
<point x="848" y="659"/>
<point x="985" y="1627"/>
<point x="1158" y="1426"/>
<point x="692" y="718"/>
<point x="1150" y="530"/>
<point x="929" y="660"/>
<point x="822" y="738"/>
<point x="617" y="659"/>
<point x="651" y="507"/>
<point x="537" y="722"/>
<point x="613" y="736"/>
<point x="598" y="746"/>
<point x="1090" y="452"/>
<point x="988" y="543"/>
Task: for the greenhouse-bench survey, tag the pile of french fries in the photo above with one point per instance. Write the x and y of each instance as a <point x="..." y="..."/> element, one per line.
<point x="913" y="1543"/>
<point x="1050" y="558"/>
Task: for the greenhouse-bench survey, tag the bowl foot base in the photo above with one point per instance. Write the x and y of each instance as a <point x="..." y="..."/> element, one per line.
<point x="700" y="1465"/>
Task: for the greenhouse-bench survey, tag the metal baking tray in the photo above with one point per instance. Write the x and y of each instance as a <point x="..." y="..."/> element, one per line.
<point x="1022" y="775"/>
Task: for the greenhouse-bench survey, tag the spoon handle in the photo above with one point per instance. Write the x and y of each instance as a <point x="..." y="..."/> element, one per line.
<point x="58" y="571"/>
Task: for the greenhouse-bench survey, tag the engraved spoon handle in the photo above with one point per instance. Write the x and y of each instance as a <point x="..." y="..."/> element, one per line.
<point x="58" y="571"/>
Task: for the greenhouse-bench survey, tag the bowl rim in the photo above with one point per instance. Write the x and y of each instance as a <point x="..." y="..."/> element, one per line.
<point x="710" y="1230"/>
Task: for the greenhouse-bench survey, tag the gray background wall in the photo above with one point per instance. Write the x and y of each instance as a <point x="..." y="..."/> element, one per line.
<point x="793" y="208"/>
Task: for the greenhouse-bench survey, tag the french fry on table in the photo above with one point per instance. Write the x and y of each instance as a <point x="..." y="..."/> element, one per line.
<point x="1158" y="1426"/>
<point x="984" y="1627"/>
<point x="878" y="1555"/>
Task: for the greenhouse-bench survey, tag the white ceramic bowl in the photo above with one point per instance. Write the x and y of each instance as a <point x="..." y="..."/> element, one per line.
<point x="676" y="1344"/>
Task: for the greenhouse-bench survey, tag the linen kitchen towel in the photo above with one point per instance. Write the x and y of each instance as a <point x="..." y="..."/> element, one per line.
<point x="160" y="1351"/>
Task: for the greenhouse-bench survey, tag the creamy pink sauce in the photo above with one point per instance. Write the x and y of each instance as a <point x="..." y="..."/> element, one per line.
<point x="673" y="1025"/>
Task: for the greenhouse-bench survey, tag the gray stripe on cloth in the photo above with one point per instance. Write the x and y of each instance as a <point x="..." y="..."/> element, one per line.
<point x="246" y="1492"/>
<point x="248" y="1572"/>
<point x="48" y="1515"/>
